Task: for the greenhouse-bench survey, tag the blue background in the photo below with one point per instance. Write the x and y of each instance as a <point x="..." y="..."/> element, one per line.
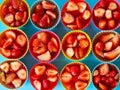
<point x="61" y="61"/>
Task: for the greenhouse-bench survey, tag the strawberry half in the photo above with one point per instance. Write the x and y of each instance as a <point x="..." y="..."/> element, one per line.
<point x="99" y="12"/>
<point x="18" y="16"/>
<point x="108" y="14"/>
<point x="68" y="18"/>
<point x="80" y="85"/>
<point x="112" y="6"/>
<point x="17" y="82"/>
<point x="102" y="23"/>
<point x="66" y="77"/>
<point x="84" y="43"/>
<point x="108" y="46"/>
<point x="22" y="74"/>
<point x="37" y="84"/>
<point x="9" y="18"/>
<point x="51" y="14"/>
<point x="10" y="77"/>
<point x="39" y="70"/>
<point x="71" y="6"/>
<point x="5" y="67"/>
<point x="82" y="6"/>
<point x="47" y="5"/>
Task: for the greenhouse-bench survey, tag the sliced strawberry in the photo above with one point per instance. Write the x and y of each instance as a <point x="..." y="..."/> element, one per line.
<point x="82" y="6"/>
<point x="112" y="6"/>
<point x="97" y="79"/>
<point x="81" y="52"/>
<point x="103" y="87"/>
<point x="98" y="48"/>
<point x="35" y="17"/>
<point x="104" y="69"/>
<point x="10" y="34"/>
<point x="116" y="76"/>
<point x="111" y="23"/>
<point x="116" y="14"/>
<point x="5" y="52"/>
<point x="95" y="73"/>
<point x="16" y="53"/>
<point x="68" y="18"/>
<point x="102" y="23"/>
<point x="39" y="70"/>
<point x="37" y="84"/>
<point x="54" y="41"/>
<point x="86" y="15"/>
<point x="43" y="36"/>
<point x="71" y="6"/>
<point x="108" y="46"/>
<point x="82" y="67"/>
<point x="4" y="10"/>
<point x="51" y="72"/>
<point x="21" y="40"/>
<point x="70" y="52"/>
<point x="76" y="53"/>
<point x="99" y="12"/>
<point x="2" y="76"/>
<point x="45" y="56"/>
<point x="16" y="3"/>
<point x="112" y="54"/>
<point x="78" y="22"/>
<point x="40" y="50"/>
<point x="72" y="27"/>
<point x="5" y="67"/>
<point x="15" y="65"/>
<point x="106" y="37"/>
<point x="75" y="70"/>
<point x="10" y="77"/>
<point x="9" y="18"/>
<point x="84" y="43"/>
<point x="81" y="36"/>
<point x="70" y="39"/>
<point x="115" y="40"/>
<point x="8" y="43"/>
<point x="22" y="74"/>
<point x="17" y="82"/>
<point x="47" y="5"/>
<point x="80" y="85"/>
<point x="51" y="14"/>
<point x="84" y="76"/>
<point x="66" y="77"/>
<point x="18" y="16"/>
<point x="108" y="14"/>
<point x="22" y="7"/>
<point x="52" y="47"/>
<point x="52" y="79"/>
<point x="45" y="21"/>
<point x="25" y="16"/>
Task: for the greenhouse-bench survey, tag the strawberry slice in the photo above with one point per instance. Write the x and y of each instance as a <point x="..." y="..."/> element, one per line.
<point x="51" y="14"/>
<point x="86" y="14"/>
<point x="18" y="16"/>
<point x="25" y="16"/>
<point x="4" y="10"/>
<point x="103" y="87"/>
<point x="112" y="6"/>
<point x="45" y="56"/>
<point x="2" y="76"/>
<point x="70" y="52"/>
<point x="104" y="69"/>
<point x="40" y="50"/>
<point x="96" y="73"/>
<point x="108" y="46"/>
<point x="47" y="5"/>
<point x="21" y="40"/>
<point x="115" y="40"/>
<point x="45" y="21"/>
<point x="81" y="52"/>
<point x="82" y="67"/>
<point x="71" y="6"/>
<point x="72" y="27"/>
<point x="52" y="79"/>
<point x="10" y="77"/>
<point x="102" y="23"/>
<point x="52" y="47"/>
<point x="81" y="36"/>
<point x="70" y="39"/>
<point x="16" y="3"/>
<point x="22" y="74"/>
<point x="5" y="52"/>
<point x="111" y="24"/>
<point x="76" y="53"/>
<point x="78" y="22"/>
<point x="9" y="18"/>
<point x="15" y="66"/>
<point x="10" y="34"/>
<point x="39" y="70"/>
<point x="37" y="84"/>
<point x="54" y="41"/>
<point x="68" y="18"/>
<point x="84" y="76"/>
<point x="106" y="37"/>
<point x="75" y="70"/>
<point x="112" y="54"/>
<point x="108" y="14"/>
<point x="99" y="12"/>
<point x="80" y="85"/>
<point x="82" y="6"/>
<point x="17" y="82"/>
<point x="84" y="43"/>
<point x="66" y="77"/>
<point x="51" y="72"/>
<point x="8" y="43"/>
<point x="35" y="17"/>
<point x="5" y="67"/>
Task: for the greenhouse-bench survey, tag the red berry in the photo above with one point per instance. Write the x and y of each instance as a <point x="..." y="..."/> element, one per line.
<point x="97" y="79"/>
<point x="35" y="17"/>
<point x="112" y="73"/>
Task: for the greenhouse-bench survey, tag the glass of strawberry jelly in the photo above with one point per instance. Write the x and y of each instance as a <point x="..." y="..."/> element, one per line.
<point x="45" y="14"/>
<point x="106" y="14"/>
<point x="45" y="46"/>
<point x="76" y="14"/>
<point x="105" y="76"/>
<point x="44" y="76"/>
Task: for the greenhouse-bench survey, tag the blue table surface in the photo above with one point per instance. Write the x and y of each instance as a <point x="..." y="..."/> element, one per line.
<point x="61" y="61"/>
